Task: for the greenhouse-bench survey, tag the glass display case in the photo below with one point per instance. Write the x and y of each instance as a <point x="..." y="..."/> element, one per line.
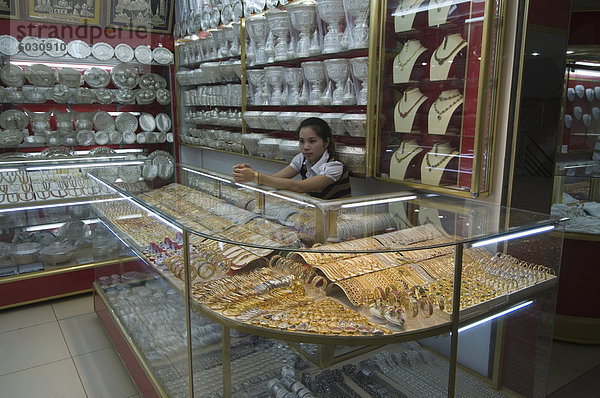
<point x="576" y="195"/>
<point x="49" y="240"/>
<point x="436" y="125"/>
<point x="367" y="295"/>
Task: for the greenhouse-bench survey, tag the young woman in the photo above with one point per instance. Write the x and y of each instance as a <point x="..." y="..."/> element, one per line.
<point x="323" y="176"/>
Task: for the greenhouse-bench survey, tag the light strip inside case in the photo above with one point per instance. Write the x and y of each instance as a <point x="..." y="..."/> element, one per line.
<point x="513" y="236"/>
<point x="491" y="317"/>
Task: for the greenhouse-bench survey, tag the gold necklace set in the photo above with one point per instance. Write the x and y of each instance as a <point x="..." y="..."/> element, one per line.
<point x="434" y="153"/>
<point x="439" y="112"/>
<point x="402" y="64"/>
<point x="452" y="53"/>
<point x="403" y="115"/>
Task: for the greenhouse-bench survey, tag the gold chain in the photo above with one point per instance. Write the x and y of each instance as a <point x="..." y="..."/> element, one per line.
<point x="440" y="113"/>
<point x="404" y="114"/>
<point x="403" y="64"/>
<point x="441" y="60"/>
<point x="400" y="159"/>
<point x="428" y="162"/>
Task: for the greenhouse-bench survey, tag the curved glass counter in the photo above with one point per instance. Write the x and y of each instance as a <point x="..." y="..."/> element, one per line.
<point x="327" y="279"/>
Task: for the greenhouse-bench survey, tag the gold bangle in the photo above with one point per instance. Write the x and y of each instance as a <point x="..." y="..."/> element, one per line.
<point x="256" y="177"/>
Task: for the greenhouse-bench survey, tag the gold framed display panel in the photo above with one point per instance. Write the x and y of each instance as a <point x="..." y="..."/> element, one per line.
<point x="440" y="136"/>
<point x="78" y="12"/>
<point x="9" y="9"/>
<point x="184" y="243"/>
<point x="149" y="16"/>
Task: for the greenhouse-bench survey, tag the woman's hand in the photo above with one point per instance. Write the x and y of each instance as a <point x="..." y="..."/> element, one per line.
<point x="243" y="173"/>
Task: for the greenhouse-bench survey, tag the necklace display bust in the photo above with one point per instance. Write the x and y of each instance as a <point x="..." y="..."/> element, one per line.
<point x="405" y="60"/>
<point x="435" y="162"/>
<point x="443" y="56"/>
<point x="403" y="158"/>
<point x="406" y="109"/>
<point x="441" y="111"/>
<point x="404" y="15"/>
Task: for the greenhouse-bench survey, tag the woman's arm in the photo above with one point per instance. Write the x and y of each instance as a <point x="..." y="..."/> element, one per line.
<point x="282" y="179"/>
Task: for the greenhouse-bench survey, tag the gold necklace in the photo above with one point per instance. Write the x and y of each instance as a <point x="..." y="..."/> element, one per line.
<point x="404" y="114"/>
<point x="441" y="60"/>
<point x="440" y="99"/>
<point x="402" y="147"/>
<point x="403" y="64"/>
<point x="436" y="164"/>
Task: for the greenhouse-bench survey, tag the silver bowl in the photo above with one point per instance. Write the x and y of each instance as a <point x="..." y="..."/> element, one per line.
<point x="252" y="119"/>
<point x="288" y="120"/>
<point x="250" y="142"/>
<point x="288" y="149"/>
<point x="356" y="124"/>
<point x="269" y="120"/>
<point x="335" y="122"/>
<point x="269" y="147"/>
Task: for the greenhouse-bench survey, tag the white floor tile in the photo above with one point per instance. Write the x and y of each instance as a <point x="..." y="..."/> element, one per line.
<point x="84" y="334"/>
<point x="33" y="346"/>
<point x="22" y="317"/>
<point x="56" y="379"/>
<point x="104" y="375"/>
<point x="73" y="306"/>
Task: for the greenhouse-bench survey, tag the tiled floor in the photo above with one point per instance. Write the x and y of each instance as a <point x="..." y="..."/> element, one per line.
<point x="59" y="349"/>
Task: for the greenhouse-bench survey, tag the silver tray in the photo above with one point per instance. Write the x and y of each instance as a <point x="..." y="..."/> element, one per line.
<point x="24" y="253"/>
<point x="32" y="46"/>
<point x="143" y="54"/>
<point x="11" y="138"/>
<point x="40" y="75"/>
<point x="14" y="119"/>
<point x="153" y="81"/>
<point x="145" y="96"/>
<point x="163" y="96"/>
<point x="69" y="77"/>
<point x="103" y="121"/>
<point x="124" y="76"/>
<point x="125" y="96"/>
<point x="147" y="122"/>
<point x="103" y="51"/>
<point x="162" y="55"/>
<point x="55" y="47"/>
<point x="9" y="45"/>
<point x="79" y="49"/>
<point x="163" y="122"/>
<point x="57" y="152"/>
<point x="124" y="52"/>
<point x="103" y="95"/>
<point x="165" y="163"/>
<point x="96" y="77"/>
<point x="101" y="150"/>
<point x="125" y="122"/>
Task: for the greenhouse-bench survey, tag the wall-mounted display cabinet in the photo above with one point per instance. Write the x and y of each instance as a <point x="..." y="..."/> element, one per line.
<point x="407" y="86"/>
<point x="245" y="290"/>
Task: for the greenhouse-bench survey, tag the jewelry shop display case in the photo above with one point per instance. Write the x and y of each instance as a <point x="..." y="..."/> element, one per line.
<point x="436" y="94"/>
<point x="50" y="242"/>
<point x="576" y="195"/>
<point x="244" y="290"/>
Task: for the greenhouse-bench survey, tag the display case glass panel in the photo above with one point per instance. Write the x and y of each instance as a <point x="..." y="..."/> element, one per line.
<point x="436" y="121"/>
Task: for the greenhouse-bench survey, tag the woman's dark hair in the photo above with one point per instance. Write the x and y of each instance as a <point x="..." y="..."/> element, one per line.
<point x="322" y="129"/>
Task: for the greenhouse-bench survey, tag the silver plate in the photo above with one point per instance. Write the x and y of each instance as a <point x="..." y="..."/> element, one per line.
<point x="103" y="121"/>
<point x="85" y="137"/>
<point x="125" y="96"/>
<point x="12" y="75"/>
<point x="124" y="76"/>
<point x="55" y="47"/>
<point x="163" y="96"/>
<point x="101" y="137"/>
<point x="226" y="15"/>
<point x="143" y="54"/>
<point x="237" y="11"/>
<point x="124" y="52"/>
<point x="125" y="122"/>
<point x="145" y="96"/>
<point x="163" y="122"/>
<point x="96" y="77"/>
<point x="103" y="51"/>
<point x="147" y="122"/>
<point x="8" y="45"/>
<point x="15" y="119"/>
<point x="32" y="46"/>
<point x="162" y="55"/>
<point x="215" y="18"/>
<point x="79" y="49"/>
<point x="129" y="137"/>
